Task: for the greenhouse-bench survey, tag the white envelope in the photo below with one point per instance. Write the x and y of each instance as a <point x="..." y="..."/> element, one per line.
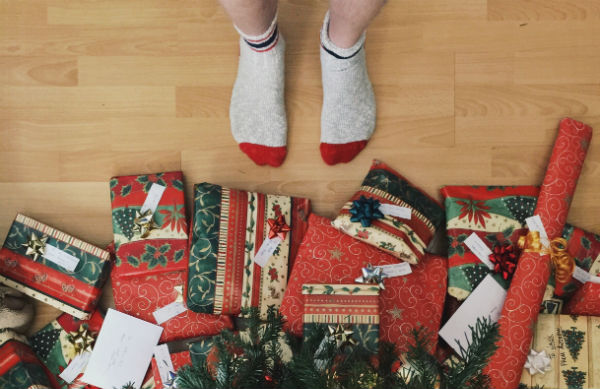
<point x="122" y="352"/>
<point x="485" y="301"/>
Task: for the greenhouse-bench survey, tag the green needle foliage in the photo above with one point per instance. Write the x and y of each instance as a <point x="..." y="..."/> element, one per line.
<point x="254" y="359"/>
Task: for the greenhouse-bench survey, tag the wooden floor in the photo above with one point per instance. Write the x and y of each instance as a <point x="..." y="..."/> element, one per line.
<point x="468" y="92"/>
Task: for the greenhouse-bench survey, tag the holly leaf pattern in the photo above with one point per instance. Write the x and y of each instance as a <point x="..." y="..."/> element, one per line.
<point x="133" y="261"/>
<point x="178" y="256"/>
<point x="125" y="190"/>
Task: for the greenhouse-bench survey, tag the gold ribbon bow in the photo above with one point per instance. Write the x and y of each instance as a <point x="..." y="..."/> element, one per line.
<point x="82" y="339"/>
<point x="36" y="247"/>
<point x="143" y="223"/>
<point x="561" y="259"/>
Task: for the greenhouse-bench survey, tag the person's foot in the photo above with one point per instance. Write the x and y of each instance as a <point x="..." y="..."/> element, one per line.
<point x="348" y="114"/>
<point x="257" y="110"/>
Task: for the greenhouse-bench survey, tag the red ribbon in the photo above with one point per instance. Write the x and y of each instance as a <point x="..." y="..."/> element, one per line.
<point x="278" y="227"/>
<point x="504" y="259"/>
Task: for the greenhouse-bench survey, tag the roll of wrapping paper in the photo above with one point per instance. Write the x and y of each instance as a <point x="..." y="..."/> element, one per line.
<point x="526" y="291"/>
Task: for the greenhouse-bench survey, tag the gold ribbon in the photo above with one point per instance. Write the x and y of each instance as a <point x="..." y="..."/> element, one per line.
<point x="82" y="339"/>
<point x="562" y="261"/>
<point x="143" y="223"/>
<point x="36" y="247"/>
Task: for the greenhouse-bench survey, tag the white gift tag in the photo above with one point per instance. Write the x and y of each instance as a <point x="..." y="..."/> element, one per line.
<point x="61" y="258"/>
<point x="480" y="249"/>
<point x="153" y="198"/>
<point x="396" y="269"/>
<point x="395" y="210"/>
<point x="75" y="367"/>
<point x="534" y="223"/>
<point x="583" y="276"/>
<point x="163" y="361"/>
<point x="267" y="248"/>
<point x="168" y="312"/>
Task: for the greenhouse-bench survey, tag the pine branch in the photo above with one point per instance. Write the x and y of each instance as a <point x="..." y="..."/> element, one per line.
<point x="467" y="371"/>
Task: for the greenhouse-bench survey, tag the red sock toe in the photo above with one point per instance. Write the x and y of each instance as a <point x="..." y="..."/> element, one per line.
<point x="343" y="152"/>
<point x="264" y="155"/>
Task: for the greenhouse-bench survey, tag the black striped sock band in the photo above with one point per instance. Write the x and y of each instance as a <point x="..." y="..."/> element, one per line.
<point x="265" y="44"/>
<point x="337" y="55"/>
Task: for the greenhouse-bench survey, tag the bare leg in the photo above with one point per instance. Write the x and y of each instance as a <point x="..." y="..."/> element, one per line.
<point x="350" y="18"/>
<point x="253" y="17"/>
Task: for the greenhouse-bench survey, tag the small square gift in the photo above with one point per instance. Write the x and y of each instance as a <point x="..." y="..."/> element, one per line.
<point x="350" y="312"/>
<point x="241" y="248"/>
<point x="170" y="357"/>
<point x="484" y="224"/>
<point x="565" y="353"/>
<point x="150" y="232"/>
<point x="19" y="366"/>
<point x="53" y="267"/>
<point x="391" y="214"/>
<point x="60" y="341"/>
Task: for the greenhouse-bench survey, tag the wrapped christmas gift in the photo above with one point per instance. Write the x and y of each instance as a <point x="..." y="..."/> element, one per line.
<point x="150" y="232"/>
<point x="350" y="312"/>
<point x="584" y="287"/>
<point x="496" y="215"/>
<point x="584" y="246"/>
<point x="19" y="367"/>
<point x="53" y="267"/>
<point x="413" y="295"/>
<point x="565" y="353"/>
<point x="529" y="282"/>
<point x="63" y="339"/>
<point x="170" y="357"/>
<point x="241" y="248"/>
<point x="390" y="213"/>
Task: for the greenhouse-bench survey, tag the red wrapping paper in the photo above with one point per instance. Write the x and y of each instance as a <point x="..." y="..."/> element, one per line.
<point x="586" y="301"/>
<point x="328" y="256"/>
<point x="526" y="292"/>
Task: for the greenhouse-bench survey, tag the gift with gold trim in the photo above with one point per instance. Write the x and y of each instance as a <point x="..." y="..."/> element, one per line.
<point x="349" y="311"/>
<point x="53" y="266"/>
<point x="391" y="214"/>
<point x="242" y="247"/>
<point x="150" y="241"/>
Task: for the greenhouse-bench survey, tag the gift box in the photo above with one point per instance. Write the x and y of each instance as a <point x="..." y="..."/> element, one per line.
<point x="540" y="248"/>
<point x="352" y="309"/>
<point x="150" y="232"/>
<point x="390" y="213"/>
<point x="180" y="353"/>
<point x="565" y="353"/>
<point x="53" y="267"/>
<point x="496" y="214"/>
<point x="241" y="248"/>
<point x="19" y="366"/>
<point x="60" y="341"/>
<point x="328" y="256"/>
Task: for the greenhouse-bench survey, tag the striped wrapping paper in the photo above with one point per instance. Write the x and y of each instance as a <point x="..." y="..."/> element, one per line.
<point x="356" y="306"/>
<point x="228" y="229"/>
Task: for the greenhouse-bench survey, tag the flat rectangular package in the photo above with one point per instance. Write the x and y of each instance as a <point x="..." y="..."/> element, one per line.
<point x="230" y="231"/>
<point x="353" y="306"/>
<point x="571" y="345"/>
<point x="151" y="248"/>
<point x="53" y="267"/>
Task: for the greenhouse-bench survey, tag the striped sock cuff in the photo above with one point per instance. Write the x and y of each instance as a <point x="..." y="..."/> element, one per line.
<point x="335" y="51"/>
<point x="265" y="41"/>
